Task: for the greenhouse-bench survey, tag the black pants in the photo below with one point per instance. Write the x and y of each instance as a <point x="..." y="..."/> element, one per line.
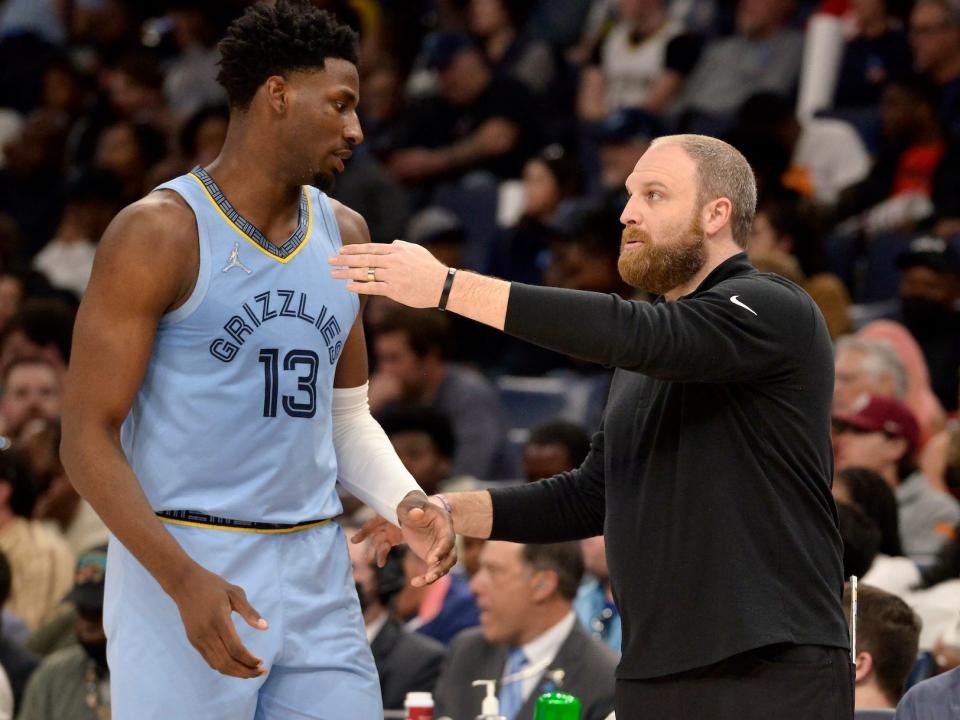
<point x="777" y="682"/>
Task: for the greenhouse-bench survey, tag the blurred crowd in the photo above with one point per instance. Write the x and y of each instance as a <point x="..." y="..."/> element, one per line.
<point x="499" y="134"/>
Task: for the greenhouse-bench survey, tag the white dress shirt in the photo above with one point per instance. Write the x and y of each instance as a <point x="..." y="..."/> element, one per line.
<point x="542" y="650"/>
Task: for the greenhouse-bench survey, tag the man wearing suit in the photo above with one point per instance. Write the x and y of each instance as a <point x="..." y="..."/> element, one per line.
<point x="406" y="662"/>
<point x="528" y="634"/>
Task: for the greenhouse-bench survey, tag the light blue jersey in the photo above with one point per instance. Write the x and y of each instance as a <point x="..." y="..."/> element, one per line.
<point x="233" y="417"/>
<point x="233" y="421"/>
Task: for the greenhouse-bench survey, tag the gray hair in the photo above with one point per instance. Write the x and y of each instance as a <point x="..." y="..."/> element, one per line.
<point x="879" y="359"/>
<point x="722" y="172"/>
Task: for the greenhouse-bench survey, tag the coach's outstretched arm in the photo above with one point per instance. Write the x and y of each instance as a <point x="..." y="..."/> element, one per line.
<point x="142" y="270"/>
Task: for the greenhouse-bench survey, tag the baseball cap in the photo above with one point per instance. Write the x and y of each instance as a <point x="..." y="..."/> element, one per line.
<point x="873" y="413"/>
<point x="629" y="124"/>
<point x="930" y="252"/>
<point x="87" y="593"/>
<point x="440" y="48"/>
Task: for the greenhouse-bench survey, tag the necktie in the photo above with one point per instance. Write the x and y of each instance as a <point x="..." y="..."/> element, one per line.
<point x="511" y="693"/>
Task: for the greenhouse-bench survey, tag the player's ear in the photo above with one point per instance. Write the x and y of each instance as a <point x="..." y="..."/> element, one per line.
<point x="276" y="91"/>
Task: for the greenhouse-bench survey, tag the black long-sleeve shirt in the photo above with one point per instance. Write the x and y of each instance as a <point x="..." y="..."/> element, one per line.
<point x="710" y="477"/>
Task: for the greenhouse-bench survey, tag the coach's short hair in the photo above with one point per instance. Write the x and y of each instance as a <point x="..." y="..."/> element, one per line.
<point x="722" y="172"/>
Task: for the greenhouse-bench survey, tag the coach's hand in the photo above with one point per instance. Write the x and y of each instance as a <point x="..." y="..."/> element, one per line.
<point x="206" y="602"/>
<point x="401" y="271"/>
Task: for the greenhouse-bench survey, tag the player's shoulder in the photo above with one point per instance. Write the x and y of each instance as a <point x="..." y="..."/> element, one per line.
<point x="353" y="228"/>
<point x="161" y="218"/>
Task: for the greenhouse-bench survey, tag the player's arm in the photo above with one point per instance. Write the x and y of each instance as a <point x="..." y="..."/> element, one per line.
<point x="367" y="465"/>
<point x="145" y="266"/>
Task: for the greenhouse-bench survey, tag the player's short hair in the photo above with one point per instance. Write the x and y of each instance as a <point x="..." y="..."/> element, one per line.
<point x="722" y="172"/>
<point x="276" y="39"/>
<point x="890" y="631"/>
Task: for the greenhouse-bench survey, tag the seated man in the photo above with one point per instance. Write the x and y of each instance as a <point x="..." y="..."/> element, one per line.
<point x="933" y="699"/>
<point x="406" y="662"/>
<point x="529" y="639"/>
<point x="882" y="435"/>
<point x="75" y="682"/>
<point x="887" y="636"/>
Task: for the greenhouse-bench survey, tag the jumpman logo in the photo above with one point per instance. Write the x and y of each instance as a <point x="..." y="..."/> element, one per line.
<point x="234" y="260"/>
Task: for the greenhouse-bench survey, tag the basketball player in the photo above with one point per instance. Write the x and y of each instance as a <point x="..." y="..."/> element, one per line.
<point x="216" y="393"/>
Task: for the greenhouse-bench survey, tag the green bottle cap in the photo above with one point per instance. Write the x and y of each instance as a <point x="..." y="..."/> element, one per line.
<point x="557" y="706"/>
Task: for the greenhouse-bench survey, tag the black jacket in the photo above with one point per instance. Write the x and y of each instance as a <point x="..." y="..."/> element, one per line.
<point x="406" y="662"/>
<point x="711" y="475"/>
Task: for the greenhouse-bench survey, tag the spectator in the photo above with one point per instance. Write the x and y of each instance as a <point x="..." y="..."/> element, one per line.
<point x="190" y="83"/>
<point x="499" y="24"/>
<point x="438" y="611"/>
<point x="919" y="395"/>
<point x="929" y="291"/>
<point x="129" y="150"/>
<point x="40" y="561"/>
<point x="870" y="492"/>
<point x="526" y="593"/>
<point x="549" y="179"/>
<point x="406" y="662"/>
<point x="878" y="52"/>
<point x="912" y="162"/>
<point x="628" y="64"/>
<point x="594" y="604"/>
<point x="931" y="699"/>
<point x="861" y="557"/>
<point x="481" y="121"/>
<point x="31" y="391"/>
<point x="866" y="367"/>
<point x="935" y="37"/>
<point x="31" y="184"/>
<point x="554" y="448"/>
<point x="785" y="223"/>
<point x="92" y="199"/>
<point x="623" y="138"/>
<point x="424" y="441"/>
<point x="58" y="505"/>
<point x="881" y="434"/>
<point x="42" y="327"/>
<point x="440" y="231"/>
<point x="17" y="663"/>
<point x="826" y="156"/>
<point x="586" y="258"/>
<point x="202" y="135"/>
<point x="411" y="353"/>
<point x="73" y="684"/>
<point x="764" y="55"/>
<point x="888" y="632"/>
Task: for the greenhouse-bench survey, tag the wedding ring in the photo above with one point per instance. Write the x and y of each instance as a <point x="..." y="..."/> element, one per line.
<point x="371" y="274"/>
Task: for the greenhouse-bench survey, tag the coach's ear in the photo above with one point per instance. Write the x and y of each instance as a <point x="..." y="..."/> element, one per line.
<point x="716" y="215"/>
<point x="275" y="90"/>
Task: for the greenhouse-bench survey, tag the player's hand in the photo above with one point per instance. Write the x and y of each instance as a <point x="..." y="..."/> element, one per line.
<point x="206" y="602"/>
<point x="427" y="530"/>
<point x="404" y="272"/>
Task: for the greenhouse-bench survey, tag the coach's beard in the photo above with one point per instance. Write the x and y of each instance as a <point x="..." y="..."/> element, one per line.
<point x="659" y="267"/>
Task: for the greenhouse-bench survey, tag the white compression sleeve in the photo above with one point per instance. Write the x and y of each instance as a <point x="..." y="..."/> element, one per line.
<point x="367" y="465"/>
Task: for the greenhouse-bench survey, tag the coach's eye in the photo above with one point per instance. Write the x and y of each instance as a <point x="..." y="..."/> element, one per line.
<point x="654" y="195"/>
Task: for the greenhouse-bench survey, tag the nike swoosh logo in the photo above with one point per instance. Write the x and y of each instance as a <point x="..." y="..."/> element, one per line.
<point x="735" y="301"/>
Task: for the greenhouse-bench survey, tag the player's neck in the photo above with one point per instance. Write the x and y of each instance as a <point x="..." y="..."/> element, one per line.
<point x="256" y="185"/>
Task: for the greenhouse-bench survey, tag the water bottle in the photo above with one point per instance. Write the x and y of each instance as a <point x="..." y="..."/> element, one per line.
<point x="557" y="706"/>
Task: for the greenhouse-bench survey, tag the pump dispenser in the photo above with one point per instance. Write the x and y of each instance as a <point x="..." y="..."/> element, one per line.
<point x="490" y="707"/>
